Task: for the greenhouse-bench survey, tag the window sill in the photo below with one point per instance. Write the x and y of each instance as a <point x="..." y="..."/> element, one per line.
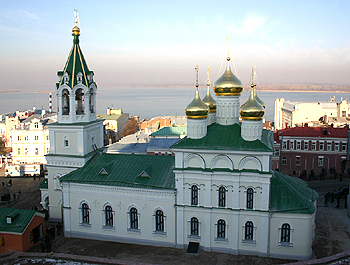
<point x="194" y="237"/>
<point x="108" y="227"/>
<point x="134" y="231"/>
<point x="285" y="244"/>
<point x="86" y="225"/>
<point x="249" y="242"/>
<point x="221" y="240"/>
<point x="159" y="233"/>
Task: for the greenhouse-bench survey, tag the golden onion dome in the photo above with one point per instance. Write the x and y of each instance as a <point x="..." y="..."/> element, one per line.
<point x="228" y="84"/>
<point x="208" y="99"/>
<point x="197" y="109"/>
<point x="76" y="31"/>
<point x="251" y="109"/>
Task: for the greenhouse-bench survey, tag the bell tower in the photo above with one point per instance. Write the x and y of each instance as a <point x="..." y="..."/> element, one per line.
<point x="77" y="134"/>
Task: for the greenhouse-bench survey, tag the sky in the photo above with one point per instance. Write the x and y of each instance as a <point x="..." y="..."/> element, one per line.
<point x="160" y="42"/>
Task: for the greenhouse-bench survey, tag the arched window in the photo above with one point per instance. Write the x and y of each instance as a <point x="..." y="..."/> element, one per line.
<point x="134" y="223"/>
<point x="249" y="230"/>
<point x="250" y="197"/>
<point x="91" y="101"/>
<point x="194" y="195"/>
<point x="285" y="233"/>
<point x="194" y="226"/>
<point x="109" y="215"/>
<point x="79" y="101"/>
<point x="85" y="213"/>
<point x="65" y="102"/>
<point x="222" y="196"/>
<point x="221" y="227"/>
<point x="159" y="221"/>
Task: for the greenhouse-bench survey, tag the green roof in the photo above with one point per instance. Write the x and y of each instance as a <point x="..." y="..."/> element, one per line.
<point x="109" y="116"/>
<point x="170" y="131"/>
<point x="227" y="137"/>
<point x="20" y="219"/>
<point x="290" y="194"/>
<point x="44" y="184"/>
<point x="126" y="170"/>
<point x="75" y="63"/>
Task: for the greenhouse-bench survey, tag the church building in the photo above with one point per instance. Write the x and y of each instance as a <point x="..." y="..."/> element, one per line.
<point x="218" y="191"/>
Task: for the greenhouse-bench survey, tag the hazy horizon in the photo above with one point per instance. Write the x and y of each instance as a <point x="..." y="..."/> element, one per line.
<point x="159" y="43"/>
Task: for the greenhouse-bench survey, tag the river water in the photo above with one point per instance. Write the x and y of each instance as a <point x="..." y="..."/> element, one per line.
<point x="148" y="102"/>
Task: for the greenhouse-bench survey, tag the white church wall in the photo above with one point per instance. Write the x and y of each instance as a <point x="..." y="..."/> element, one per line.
<point x="121" y="200"/>
<point x="302" y="227"/>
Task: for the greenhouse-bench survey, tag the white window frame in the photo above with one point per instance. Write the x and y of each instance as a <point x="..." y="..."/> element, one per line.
<point x="321" y="145"/>
<point x="284" y="160"/>
<point x="66" y="142"/>
<point x="298" y="146"/>
<point x="313" y="146"/>
<point x="291" y="145"/>
<point x="285" y="244"/>
<point x="134" y="230"/>
<point x="189" y="228"/>
<point x="105" y="226"/>
<point x="306" y="145"/>
<point x="297" y="158"/>
<point x="336" y="146"/>
<point x="155" y="232"/>
<point x="343" y="146"/>
<point x="320" y="161"/>
<point x="221" y="239"/>
<point x="284" y="145"/>
<point x="249" y="242"/>
<point x="329" y="146"/>
<point x="36" y="137"/>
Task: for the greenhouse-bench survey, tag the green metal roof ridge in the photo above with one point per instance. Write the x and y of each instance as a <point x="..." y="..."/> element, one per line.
<point x="222" y="170"/>
<point x="19" y="223"/>
<point x="227" y="137"/>
<point x="125" y="169"/>
<point x="289" y="194"/>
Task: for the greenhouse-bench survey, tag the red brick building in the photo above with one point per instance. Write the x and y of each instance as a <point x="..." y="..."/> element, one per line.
<point x="20" y="229"/>
<point x="301" y="149"/>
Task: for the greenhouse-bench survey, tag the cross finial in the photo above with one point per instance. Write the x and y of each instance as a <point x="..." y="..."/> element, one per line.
<point x="208" y="79"/>
<point x="228" y="44"/>
<point x="197" y="85"/>
<point x="76" y="18"/>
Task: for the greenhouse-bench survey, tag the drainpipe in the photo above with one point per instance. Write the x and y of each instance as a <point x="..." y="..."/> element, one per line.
<point x="175" y="192"/>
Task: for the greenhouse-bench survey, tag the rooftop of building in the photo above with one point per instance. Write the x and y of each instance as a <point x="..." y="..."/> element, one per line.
<point x="312" y="132"/>
<point x="126" y="170"/>
<point x="20" y="219"/>
<point x="227" y="137"/>
<point x="170" y="131"/>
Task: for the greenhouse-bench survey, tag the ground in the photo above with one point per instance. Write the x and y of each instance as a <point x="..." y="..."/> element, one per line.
<point x="332" y="233"/>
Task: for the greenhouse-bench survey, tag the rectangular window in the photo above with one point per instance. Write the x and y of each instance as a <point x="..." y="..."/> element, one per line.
<point x="47" y="137"/>
<point x="343" y="113"/>
<point x="321" y="146"/>
<point x="298" y="145"/>
<point x="313" y="146"/>
<point x="336" y="146"/>
<point x="284" y="145"/>
<point x="343" y="147"/>
<point x="25" y="151"/>
<point x="291" y="145"/>
<point x="284" y="160"/>
<point x="297" y="160"/>
<point x="320" y="161"/>
<point x="277" y="152"/>
<point x="36" y="125"/>
<point x="329" y="146"/>
<point x="306" y="145"/>
<point x="36" y="151"/>
<point x="66" y="143"/>
<point x="36" y="138"/>
<point x="47" y="150"/>
<point x="26" y="138"/>
<point x="19" y="138"/>
<point x="19" y="151"/>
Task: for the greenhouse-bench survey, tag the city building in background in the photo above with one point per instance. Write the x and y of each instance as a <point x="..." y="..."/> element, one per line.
<point x="291" y="114"/>
<point x="300" y="150"/>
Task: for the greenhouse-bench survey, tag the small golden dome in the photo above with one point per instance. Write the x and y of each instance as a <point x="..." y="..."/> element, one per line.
<point x="208" y="99"/>
<point x="197" y="109"/>
<point x="251" y="109"/>
<point x="76" y="31"/>
<point x="228" y="84"/>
